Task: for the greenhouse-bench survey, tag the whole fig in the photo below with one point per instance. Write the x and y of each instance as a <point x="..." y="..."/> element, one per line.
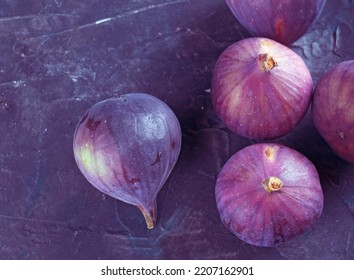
<point x="126" y="147"/>
<point x="267" y="194"/>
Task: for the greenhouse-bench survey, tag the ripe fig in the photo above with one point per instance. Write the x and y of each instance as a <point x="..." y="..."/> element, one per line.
<point x="333" y="109"/>
<point x="261" y="89"/>
<point x="126" y="147"/>
<point x="267" y="194"/>
<point x="284" y="21"/>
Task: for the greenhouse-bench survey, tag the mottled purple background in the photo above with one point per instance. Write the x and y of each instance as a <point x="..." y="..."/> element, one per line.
<point x="60" y="57"/>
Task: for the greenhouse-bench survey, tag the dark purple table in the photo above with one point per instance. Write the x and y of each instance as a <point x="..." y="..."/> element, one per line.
<point x="60" y="57"/>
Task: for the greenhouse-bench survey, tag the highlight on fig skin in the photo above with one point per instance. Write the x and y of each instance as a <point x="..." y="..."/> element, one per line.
<point x="126" y="147"/>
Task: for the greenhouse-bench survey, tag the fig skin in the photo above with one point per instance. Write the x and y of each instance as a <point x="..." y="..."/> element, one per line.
<point x="267" y="194"/>
<point x="284" y="21"/>
<point x="260" y="88"/>
<point x="126" y="147"/>
<point x="333" y="109"/>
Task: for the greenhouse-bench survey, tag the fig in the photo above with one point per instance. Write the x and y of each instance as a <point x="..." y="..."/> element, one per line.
<point x="284" y="21"/>
<point x="126" y="147"/>
<point x="260" y="89"/>
<point x="333" y="109"/>
<point x="267" y="194"/>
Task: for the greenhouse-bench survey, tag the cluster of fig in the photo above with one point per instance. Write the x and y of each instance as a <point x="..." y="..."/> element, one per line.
<point x="266" y="193"/>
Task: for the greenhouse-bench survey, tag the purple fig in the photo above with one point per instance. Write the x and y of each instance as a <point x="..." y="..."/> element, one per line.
<point x="267" y="194"/>
<point x="261" y="89"/>
<point x="126" y="147"/>
<point x="333" y="109"/>
<point x="284" y="21"/>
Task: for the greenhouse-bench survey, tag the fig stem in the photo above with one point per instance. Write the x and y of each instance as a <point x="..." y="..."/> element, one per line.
<point x="149" y="221"/>
<point x="149" y="216"/>
<point x="266" y="62"/>
<point x="272" y="184"/>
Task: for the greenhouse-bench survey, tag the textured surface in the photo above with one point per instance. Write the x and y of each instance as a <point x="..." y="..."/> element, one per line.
<point x="60" y="57"/>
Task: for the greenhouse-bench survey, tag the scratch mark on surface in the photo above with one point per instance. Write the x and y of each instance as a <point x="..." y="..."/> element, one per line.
<point x="65" y="100"/>
<point x="53" y="34"/>
<point x="336" y="41"/>
<point x="132" y="12"/>
<point x="5" y="19"/>
<point x="31" y="220"/>
<point x="105" y="20"/>
<point x="14" y="83"/>
<point x="41" y="44"/>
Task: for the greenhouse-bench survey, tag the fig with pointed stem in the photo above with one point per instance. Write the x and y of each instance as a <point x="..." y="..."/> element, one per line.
<point x="126" y="147"/>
